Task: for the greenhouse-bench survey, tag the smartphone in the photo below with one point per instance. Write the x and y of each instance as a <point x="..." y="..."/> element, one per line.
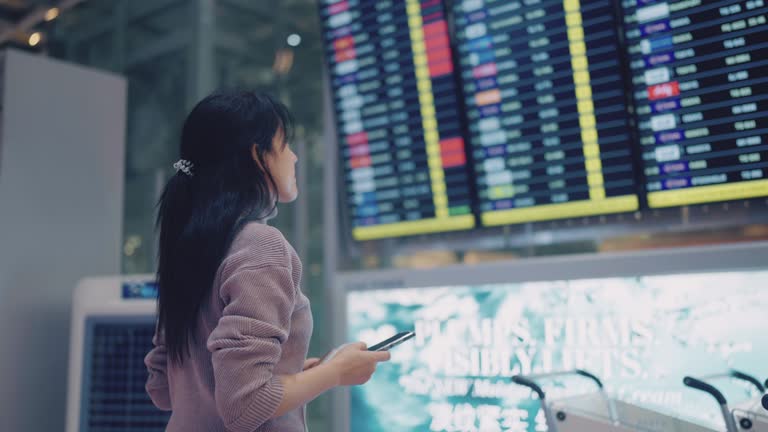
<point x="393" y="341"/>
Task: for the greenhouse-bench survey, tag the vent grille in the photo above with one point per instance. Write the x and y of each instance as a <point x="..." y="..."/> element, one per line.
<point x="114" y="399"/>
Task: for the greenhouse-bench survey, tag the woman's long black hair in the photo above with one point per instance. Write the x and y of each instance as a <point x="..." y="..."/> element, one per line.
<point x="198" y="213"/>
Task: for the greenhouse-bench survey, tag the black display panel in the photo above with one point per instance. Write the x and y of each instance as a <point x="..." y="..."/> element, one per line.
<point x="700" y="76"/>
<point x="547" y="110"/>
<point x="398" y="118"/>
<point x="452" y="114"/>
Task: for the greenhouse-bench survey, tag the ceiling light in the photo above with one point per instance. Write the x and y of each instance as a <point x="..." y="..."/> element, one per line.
<point x="52" y="14"/>
<point x="34" y="38"/>
<point x="293" y="40"/>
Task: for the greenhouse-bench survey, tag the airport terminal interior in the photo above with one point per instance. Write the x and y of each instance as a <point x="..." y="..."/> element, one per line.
<point x="565" y="202"/>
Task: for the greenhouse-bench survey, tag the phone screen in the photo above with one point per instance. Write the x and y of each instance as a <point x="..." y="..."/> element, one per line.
<point x="393" y="341"/>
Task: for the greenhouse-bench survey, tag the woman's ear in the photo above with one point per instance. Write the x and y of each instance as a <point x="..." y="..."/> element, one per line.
<point x="255" y="156"/>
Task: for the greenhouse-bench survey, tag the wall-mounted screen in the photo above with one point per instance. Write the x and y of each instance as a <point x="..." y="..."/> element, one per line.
<point x="700" y="82"/>
<point x="398" y="118"/>
<point x="456" y="114"/>
<point x="547" y="111"/>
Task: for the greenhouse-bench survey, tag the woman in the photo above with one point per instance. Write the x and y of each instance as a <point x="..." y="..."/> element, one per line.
<point x="233" y="324"/>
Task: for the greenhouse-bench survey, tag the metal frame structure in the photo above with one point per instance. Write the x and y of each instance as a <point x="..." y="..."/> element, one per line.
<point x="746" y="415"/>
<point x="598" y="412"/>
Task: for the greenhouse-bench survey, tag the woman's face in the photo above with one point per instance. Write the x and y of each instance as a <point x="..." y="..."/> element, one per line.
<point x="281" y="162"/>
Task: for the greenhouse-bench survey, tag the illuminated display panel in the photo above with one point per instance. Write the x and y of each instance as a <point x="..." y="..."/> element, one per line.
<point x="398" y="118"/>
<point x="572" y="108"/>
<point x="700" y="75"/>
<point x="640" y="335"/>
<point x="548" y="122"/>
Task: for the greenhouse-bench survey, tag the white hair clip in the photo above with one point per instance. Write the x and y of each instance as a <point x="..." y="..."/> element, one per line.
<point x="184" y="166"/>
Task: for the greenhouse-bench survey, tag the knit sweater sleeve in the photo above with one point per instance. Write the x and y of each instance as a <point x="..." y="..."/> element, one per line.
<point x="259" y="297"/>
<point x="157" y="381"/>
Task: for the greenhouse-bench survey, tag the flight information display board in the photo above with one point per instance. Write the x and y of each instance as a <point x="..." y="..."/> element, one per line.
<point x="398" y="117"/>
<point x="494" y="112"/>
<point x="700" y="75"/>
<point x="548" y="115"/>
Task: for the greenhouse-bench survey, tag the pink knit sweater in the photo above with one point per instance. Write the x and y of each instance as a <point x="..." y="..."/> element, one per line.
<point x="255" y="327"/>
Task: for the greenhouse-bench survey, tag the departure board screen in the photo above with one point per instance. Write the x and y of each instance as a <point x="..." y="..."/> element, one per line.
<point x="700" y="75"/>
<point x="398" y="118"/>
<point x="494" y="112"/>
<point x="548" y="115"/>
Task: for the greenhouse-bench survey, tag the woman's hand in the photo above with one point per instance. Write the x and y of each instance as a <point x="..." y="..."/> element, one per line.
<point x="310" y="363"/>
<point x="354" y="364"/>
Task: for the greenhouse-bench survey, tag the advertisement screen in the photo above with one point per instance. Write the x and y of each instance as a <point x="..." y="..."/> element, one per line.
<point x="641" y="336"/>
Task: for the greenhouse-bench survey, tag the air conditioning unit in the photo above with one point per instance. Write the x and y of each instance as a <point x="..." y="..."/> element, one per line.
<point x="113" y="321"/>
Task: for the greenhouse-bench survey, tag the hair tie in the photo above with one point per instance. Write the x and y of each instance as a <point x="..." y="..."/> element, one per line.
<point x="184" y="166"/>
